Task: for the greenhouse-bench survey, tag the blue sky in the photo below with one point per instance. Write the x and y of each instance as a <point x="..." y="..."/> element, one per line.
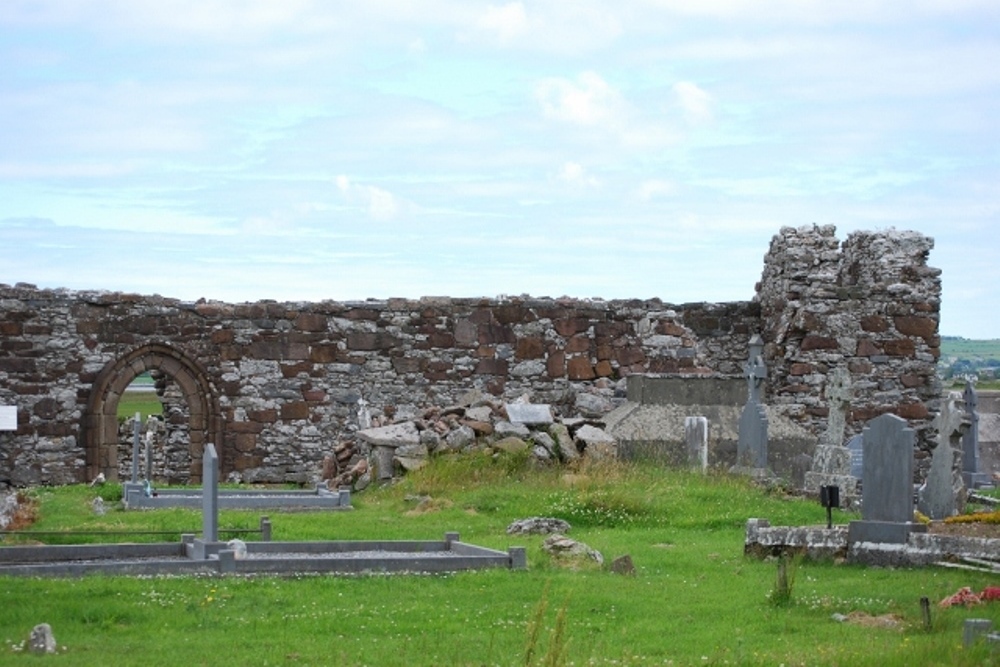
<point x="309" y="150"/>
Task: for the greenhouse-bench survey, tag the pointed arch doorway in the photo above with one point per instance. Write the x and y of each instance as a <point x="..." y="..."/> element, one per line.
<point x="100" y="422"/>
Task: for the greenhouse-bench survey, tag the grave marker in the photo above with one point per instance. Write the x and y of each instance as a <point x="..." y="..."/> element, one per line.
<point x="943" y="493"/>
<point x="210" y="495"/>
<point x="831" y="465"/>
<point x="887" y="492"/>
<point x="696" y="438"/>
<point x="751" y="447"/>
<point x="972" y="473"/>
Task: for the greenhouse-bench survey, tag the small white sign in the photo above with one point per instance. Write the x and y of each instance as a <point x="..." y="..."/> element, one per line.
<point x="8" y="417"/>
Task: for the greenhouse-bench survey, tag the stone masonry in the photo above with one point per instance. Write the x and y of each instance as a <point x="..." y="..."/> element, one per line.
<point x="276" y="386"/>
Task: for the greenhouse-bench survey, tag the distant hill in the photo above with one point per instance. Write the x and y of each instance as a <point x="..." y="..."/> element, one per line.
<point x="963" y="356"/>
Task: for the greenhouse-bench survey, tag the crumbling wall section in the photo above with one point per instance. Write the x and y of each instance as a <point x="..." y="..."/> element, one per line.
<point x="870" y="305"/>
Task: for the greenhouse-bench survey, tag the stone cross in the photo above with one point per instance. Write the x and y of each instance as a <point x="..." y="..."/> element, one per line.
<point x="838" y="396"/>
<point x="755" y="371"/>
<point x="943" y="493"/>
<point x="831" y="465"/>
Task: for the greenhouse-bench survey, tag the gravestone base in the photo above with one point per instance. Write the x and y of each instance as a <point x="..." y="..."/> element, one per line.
<point x="882" y="532"/>
<point x="756" y="474"/>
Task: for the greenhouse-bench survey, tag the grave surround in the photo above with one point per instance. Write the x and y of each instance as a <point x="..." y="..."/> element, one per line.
<point x="275" y="386"/>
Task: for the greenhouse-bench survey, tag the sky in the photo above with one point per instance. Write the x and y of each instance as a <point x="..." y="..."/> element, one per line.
<point x="304" y="150"/>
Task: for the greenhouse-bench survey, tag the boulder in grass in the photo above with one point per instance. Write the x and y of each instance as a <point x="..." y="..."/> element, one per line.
<point x="570" y="551"/>
<point x="538" y="525"/>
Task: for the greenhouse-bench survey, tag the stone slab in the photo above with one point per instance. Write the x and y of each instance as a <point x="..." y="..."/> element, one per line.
<point x="882" y="532"/>
<point x="530" y="414"/>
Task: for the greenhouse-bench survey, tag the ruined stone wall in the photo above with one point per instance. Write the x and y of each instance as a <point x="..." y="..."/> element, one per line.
<point x="286" y="378"/>
<point x="870" y="305"/>
<point x="275" y="386"/>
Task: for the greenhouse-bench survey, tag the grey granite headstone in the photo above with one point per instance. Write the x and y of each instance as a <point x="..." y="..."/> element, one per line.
<point x="972" y="472"/>
<point x="887" y="492"/>
<point x="855" y="445"/>
<point x="210" y="495"/>
<point x="696" y="439"/>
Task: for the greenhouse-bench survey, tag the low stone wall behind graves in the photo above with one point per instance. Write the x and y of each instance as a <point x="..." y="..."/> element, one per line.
<point x="276" y="386"/>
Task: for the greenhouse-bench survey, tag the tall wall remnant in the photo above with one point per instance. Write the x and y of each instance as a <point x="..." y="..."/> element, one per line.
<point x="870" y="305"/>
<point x="274" y="386"/>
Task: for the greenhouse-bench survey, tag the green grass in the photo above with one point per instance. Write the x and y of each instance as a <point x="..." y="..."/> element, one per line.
<point x="694" y="600"/>
<point x="144" y="402"/>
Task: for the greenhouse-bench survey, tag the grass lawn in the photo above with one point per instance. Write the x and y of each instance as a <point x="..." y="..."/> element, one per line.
<point x="694" y="600"/>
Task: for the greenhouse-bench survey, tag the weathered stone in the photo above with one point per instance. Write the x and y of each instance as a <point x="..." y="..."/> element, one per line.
<point x="568" y="550"/>
<point x="511" y="445"/>
<point x="538" y="526"/>
<point x="394" y="435"/>
<point x="41" y="640"/>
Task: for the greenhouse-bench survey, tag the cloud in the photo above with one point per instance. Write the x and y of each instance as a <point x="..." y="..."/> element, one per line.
<point x="694" y="102"/>
<point x="574" y="173"/>
<point x="506" y="22"/>
<point x="379" y="204"/>
<point x="656" y="188"/>
<point x="588" y="100"/>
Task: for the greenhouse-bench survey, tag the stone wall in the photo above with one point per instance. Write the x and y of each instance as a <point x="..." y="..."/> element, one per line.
<point x="276" y="386"/>
<point x="870" y="305"/>
<point x="284" y="379"/>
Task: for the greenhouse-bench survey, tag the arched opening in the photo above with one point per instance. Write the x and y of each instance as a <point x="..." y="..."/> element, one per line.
<point x="100" y="422"/>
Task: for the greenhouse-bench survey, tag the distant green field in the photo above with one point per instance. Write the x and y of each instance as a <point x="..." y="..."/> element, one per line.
<point x="964" y="348"/>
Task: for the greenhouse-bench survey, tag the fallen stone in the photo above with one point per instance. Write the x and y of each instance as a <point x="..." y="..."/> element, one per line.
<point x="538" y="525"/>
<point x="566" y="549"/>
<point x="393" y="435"/>
<point x="596" y="443"/>
<point x="502" y="429"/>
<point x="531" y="414"/>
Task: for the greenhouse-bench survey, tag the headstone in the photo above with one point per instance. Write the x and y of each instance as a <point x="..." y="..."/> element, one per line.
<point x="8" y="417"/>
<point x="887" y="492"/>
<point x="41" y="639"/>
<point x="975" y="629"/>
<point x="973" y="474"/>
<point x="136" y="424"/>
<point x="943" y="493"/>
<point x="855" y="447"/>
<point x="210" y="495"/>
<point x="696" y="439"/>
<point x="751" y="446"/>
<point x="831" y="464"/>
